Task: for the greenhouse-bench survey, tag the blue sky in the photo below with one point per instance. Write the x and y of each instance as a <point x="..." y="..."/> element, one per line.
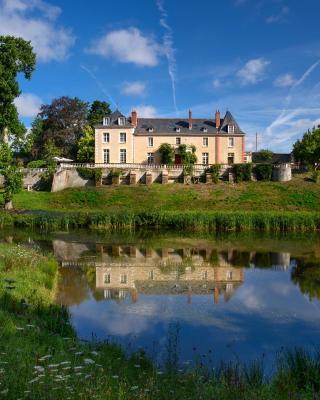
<point x="258" y="58"/>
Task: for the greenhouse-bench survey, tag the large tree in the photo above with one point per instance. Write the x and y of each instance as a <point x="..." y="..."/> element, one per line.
<point x="86" y="145"/>
<point x="62" y="124"/>
<point x="98" y="110"/>
<point x="16" y="56"/>
<point x="307" y="150"/>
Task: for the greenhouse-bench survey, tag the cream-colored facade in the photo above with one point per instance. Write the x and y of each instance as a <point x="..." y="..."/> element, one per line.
<point x="138" y="139"/>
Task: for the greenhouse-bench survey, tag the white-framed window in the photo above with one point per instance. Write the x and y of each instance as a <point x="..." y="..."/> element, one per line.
<point x="123" y="278"/>
<point x="123" y="137"/>
<point x="205" y="142"/>
<point x="230" y="142"/>
<point x="229" y="287"/>
<point x="106" y="156"/>
<point x="106" y="137"/>
<point x="123" y="156"/>
<point x="150" y="129"/>
<point x="205" y="158"/>
<point x="229" y="275"/>
<point x="106" y="121"/>
<point x="121" y="121"/>
<point x="230" y="128"/>
<point x="177" y="129"/>
<point x="122" y="294"/>
<point x="107" y="278"/>
<point x="150" y="141"/>
<point x="178" y="140"/>
<point x="150" y="158"/>
<point x="107" y="293"/>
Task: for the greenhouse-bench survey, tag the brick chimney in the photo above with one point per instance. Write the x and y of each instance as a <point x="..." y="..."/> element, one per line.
<point x="218" y="119"/>
<point x="134" y="118"/>
<point x="190" y="119"/>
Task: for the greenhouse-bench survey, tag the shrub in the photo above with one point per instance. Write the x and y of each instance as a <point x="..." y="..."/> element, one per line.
<point x="37" y="164"/>
<point x="263" y="172"/>
<point x="93" y="174"/>
<point x="263" y="156"/>
<point x="166" y="153"/>
<point x="115" y="173"/>
<point x="315" y="176"/>
<point x="242" y="172"/>
<point x="214" y="170"/>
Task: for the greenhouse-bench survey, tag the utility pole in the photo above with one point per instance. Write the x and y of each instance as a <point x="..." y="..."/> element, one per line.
<point x="256" y="142"/>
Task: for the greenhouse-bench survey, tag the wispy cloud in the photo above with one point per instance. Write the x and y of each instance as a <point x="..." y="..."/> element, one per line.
<point x="169" y="50"/>
<point x="146" y="111"/>
<point x="100" y="85"/>
<point x="50" y="41"/>
<point x="28" y="104"/>
<point x="127" y="46"/>
<point x="278" y="17"/>
<point x="134" y="88"/>
<point x="285" y="80"/>
<point x="253" y="71"/>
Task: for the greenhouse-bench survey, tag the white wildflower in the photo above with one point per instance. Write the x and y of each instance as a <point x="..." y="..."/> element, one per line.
<point x="88" y="361"/>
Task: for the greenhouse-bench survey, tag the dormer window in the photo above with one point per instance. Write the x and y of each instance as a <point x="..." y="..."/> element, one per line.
<point x="230" y="128"/>
<point x="204" y="129"/>
<point x="150" y="129"/>
<point x="177" y="129"/>
<point x="121" y="121"/>
<point x="106" y="121"/>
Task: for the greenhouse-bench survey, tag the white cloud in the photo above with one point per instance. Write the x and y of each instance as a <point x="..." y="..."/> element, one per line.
<point x="128" y="46"/>
<point x="134" y="88"/>
<point x="216" y="83"/>
<point x="50" y="41"/>
<point x="253" y="71"/>
<point x="28" y="104"/>
<point x="278" y="17"/>
<point x="285" y="80"/>
<point x="145" y="111"/>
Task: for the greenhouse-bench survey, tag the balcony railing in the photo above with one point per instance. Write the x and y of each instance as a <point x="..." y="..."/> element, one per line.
<point x="197" y="167"/>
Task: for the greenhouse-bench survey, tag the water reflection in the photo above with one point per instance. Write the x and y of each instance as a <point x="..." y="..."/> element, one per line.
<point x="240" y="298"/>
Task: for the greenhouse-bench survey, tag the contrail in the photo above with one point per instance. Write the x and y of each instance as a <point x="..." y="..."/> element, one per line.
<point x="282" y="117"/>
<point x="169" y="49"/>
<point x="102" y="88"/>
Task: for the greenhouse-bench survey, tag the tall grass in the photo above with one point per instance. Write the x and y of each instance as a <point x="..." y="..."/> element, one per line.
<point x="175" y="220"/>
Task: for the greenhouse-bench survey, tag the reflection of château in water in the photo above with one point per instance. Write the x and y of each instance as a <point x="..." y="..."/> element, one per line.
<point x="123" y="270"/>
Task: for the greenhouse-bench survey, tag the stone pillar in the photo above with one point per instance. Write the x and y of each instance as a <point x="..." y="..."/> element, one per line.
<point x="231" y="177"/>
<point x="208" y="178"/>
<point x="148" y="178"/>
<point x="186" y="179"/>
<point x="132" y="178"/>
<point x="164" y="177"/>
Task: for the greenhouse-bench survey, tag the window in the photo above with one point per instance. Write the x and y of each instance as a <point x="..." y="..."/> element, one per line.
<point x="205" y="158"/>
<point x="106" y="137"/>
<point x="106" y="156"/>
<point x="205" y="142"/>
<point x="178" y="140"/>
<point x="177" y="129"/>
<point x="150" y="141"/>
<point x="150" y="129"/>
<point x="123" y="279"/>
<point x="150" y="158"/>
<point x="230" y="142"/>
<point x="229" y="287"/>
<point x="123" y="156"/>
<point x="123" y="137"/>
<point x="230" y="128"/>
<point x="121" y="121"/>
<point x="204" y="129"/>
<point x="230" y="158"/>
<point x="107" y="278"/>
<point x="107" y="293"/>
<point x="106" y="121"/>
<point x="229" y="275"/>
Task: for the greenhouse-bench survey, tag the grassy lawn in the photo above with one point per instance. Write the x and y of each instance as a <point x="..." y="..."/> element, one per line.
<point x="297" y="195"/>
<point x="41" y="358"/>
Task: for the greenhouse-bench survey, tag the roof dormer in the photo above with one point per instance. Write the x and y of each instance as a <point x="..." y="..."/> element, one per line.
<point x="106" y="121"/>
<point x="150" y="129"/>
<point x="177" y="129"/>
<point x="121" y="121"/>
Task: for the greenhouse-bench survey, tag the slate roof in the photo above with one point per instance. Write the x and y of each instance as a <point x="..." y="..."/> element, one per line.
<point x="114" y="120"/>
<point x="199" y="126"/>
<point x="277" y="158"/>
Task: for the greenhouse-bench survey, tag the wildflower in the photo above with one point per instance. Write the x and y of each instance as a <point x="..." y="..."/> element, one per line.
<point x="66" y="368"/>
<point x="4" y="392"/>
<point x="30" y="326"/>
<point x="94" y="353"/>
<point x="88" y="361"/>
<point x="159" y="373"/>
<point x="43" y="358"/>
<point x="115" y="376"/>
<point x="78" y="373"/>
<point x="65" y="362"/>
<point x="18" y="328"/>
<point x="78" y="367"/>
<point x="134" y="387"/>
<point x="87" y="376"/>
<point x="53" y="365"/>
<point x="34" y="380"/>
<point x="79" y="353"/>
<point x="137" y="365"/>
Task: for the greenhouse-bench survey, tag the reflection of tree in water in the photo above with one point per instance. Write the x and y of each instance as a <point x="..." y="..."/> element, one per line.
<point x="306" y="275"/>
<point x="179" y="268"/>
<point x="91" y="280"/>
<point x="73" y="287"/>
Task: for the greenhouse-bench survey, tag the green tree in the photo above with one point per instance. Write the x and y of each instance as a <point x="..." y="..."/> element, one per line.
<point x="263" y="156"/>
<point x="307" y="150"/>
<point x="166" y="153"/>
<point x="63" y="123"/>
<point x="32" y="147"/>
<point x="16" y="56"/>
<point x="98" y="110"/>
<point x="86" y="145"/>
<point x="12" y="184"/>
<point x="188" y="154"/>
<point x="5" y="155"/>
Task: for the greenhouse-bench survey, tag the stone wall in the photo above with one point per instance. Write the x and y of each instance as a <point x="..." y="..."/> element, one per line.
<point x="68" y="178"/>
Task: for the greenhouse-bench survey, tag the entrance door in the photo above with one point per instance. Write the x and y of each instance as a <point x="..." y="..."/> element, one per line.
<point x="230" y="158"/>
<point x="177" y="159"/>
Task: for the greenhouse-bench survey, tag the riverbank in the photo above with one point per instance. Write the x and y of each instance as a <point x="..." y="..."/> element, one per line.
<point x="42" y="358"/>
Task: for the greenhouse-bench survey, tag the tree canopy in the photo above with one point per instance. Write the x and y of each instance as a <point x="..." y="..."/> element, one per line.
<point x="263" y="156"/>
<point x="86" y="145"/>
<point x="98" y="110"/>
<point x="307" y="150"/>
<point x="16" y="56"/>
